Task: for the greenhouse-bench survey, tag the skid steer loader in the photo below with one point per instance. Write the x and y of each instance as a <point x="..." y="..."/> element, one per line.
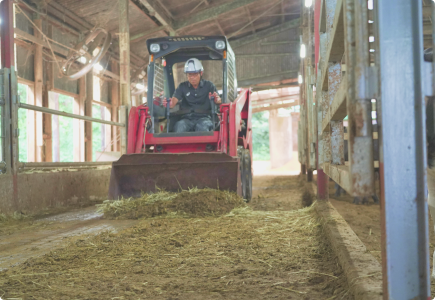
<point x="157" y="157"/>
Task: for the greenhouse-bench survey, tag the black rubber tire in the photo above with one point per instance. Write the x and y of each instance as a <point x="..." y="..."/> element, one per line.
<point x="240" y="154"/>
<point x="247" y="175"/>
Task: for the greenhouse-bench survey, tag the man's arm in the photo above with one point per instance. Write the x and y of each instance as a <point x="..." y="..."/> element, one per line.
<point x="178" y="95"/>
<point x="213" y="92"/>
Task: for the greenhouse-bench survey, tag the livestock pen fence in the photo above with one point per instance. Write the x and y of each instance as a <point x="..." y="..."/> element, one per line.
<point x="364" y="67"/>
<point x="9" y="105"/>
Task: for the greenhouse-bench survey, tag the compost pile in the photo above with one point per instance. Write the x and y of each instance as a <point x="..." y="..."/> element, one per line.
<point x="190" y="203"/>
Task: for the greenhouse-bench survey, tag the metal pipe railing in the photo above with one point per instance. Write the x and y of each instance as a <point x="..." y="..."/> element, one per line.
<point x="69" y="115"/>
<point x="33" y="165"/>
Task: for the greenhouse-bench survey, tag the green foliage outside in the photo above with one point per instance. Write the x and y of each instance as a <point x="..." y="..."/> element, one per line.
<point x="22" y="124"/>
<point x="260" y="135"/>
<point x="96" y="132"/>
<point x="66" y="130"/>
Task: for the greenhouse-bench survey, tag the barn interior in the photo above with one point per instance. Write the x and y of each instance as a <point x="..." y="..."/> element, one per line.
<point x="332" y="94"/>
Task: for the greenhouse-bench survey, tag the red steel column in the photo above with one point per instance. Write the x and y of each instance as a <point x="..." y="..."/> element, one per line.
<point x="322" y="178"/>
<point x="7" y="34"/>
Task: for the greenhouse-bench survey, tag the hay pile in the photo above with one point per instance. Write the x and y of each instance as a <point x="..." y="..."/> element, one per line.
<point x="245" y="254"/>
<point x="190" y="203"/>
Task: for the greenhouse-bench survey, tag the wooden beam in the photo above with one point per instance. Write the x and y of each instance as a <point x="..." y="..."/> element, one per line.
<point x="210" y="13"/>
<point x="37" y="39"/>
<point x="274" y="100"/>
<point x="265" y="33"/>
<point x="70" y="14"/>
<point x="280" y="43"/>
<point x="165" y="9"/>
<point x="142" y="35"/>
<point x="271" y="87"/>
<point x="270" y="107"/>
<point x="101" y="103"/>
<point x="265" y="55"/>
<point x="282" y="12"/>
<point x="155" y="11"/>
<point x="338" y="108"/>
<point x="66" y="93"/>
<point x="340" y="174"/>
<point x="247" y="82"/>
<point x="64" y="16"/>
<point x="198" y="5"/>
<point x="219" y="26"/>
<point x="256" y="18"/>
<point x="250" y="18"/>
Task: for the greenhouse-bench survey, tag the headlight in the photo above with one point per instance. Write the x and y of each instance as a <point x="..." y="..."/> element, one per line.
<point x="220" y="45"/>
<point x="154" y="48"/>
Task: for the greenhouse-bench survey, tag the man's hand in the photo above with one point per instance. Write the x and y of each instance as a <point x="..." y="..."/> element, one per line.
<point x="217" y="99"/>
<point x="172" y="102"/>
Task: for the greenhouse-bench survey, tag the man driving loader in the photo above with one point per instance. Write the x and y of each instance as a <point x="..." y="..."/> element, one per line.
<point x="195" y="96"/>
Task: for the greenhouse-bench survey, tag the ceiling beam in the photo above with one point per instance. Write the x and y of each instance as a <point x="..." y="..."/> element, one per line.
<point x="219" y="26"/>
<point x="142" y="35"/>
<point x="255" y="97"/>
<point x="272" y="87"/>
<point x="250" y="19"/>
<point x="198" y="5"/>
<point x="256" y="18"/>
<point x="247" y="82"/>
<point x="271" y="107"/>
<point x="165" y="9"/>
<point x="210" y="13"/>
<point x="266" y="54"/>
<point x="159" y="13"/>
<point x="265" y="33"/>
<point x="259" y="103"/>
<point x="70" y="14"/>
<point x="282" y="12"/>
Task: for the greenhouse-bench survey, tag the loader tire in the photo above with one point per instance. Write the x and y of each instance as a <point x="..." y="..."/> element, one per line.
<point x="247" y="175"/>
<point x="240" y="154"/>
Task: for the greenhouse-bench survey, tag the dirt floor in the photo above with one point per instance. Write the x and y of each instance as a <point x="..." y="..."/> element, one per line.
<point x="271" y="249"/>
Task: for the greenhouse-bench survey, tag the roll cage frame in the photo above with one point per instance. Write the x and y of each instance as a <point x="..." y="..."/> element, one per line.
<point x="179" y="49"/>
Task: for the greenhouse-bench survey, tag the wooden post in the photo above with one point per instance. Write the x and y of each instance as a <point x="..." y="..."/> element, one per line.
<point x="88" y="112"/>
<point x="124" y="54"/>
<point x="38" y="94"/>
<point x="79" y="125"/>
<point x="115" y="107"/>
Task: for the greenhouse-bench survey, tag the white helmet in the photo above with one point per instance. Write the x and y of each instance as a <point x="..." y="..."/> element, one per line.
<point x="193" y="65"/>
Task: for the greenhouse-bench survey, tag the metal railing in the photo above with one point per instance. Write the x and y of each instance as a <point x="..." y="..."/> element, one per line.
<point x="68" y="115"/>
<point x="343" y="90"/>
<point x="383" y="60"/>
<point x="48" y="165"/>
<point x="9" y="102"/>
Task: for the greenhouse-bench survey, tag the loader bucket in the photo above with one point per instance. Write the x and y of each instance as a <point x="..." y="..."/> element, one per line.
<point x="134" y="174"/>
